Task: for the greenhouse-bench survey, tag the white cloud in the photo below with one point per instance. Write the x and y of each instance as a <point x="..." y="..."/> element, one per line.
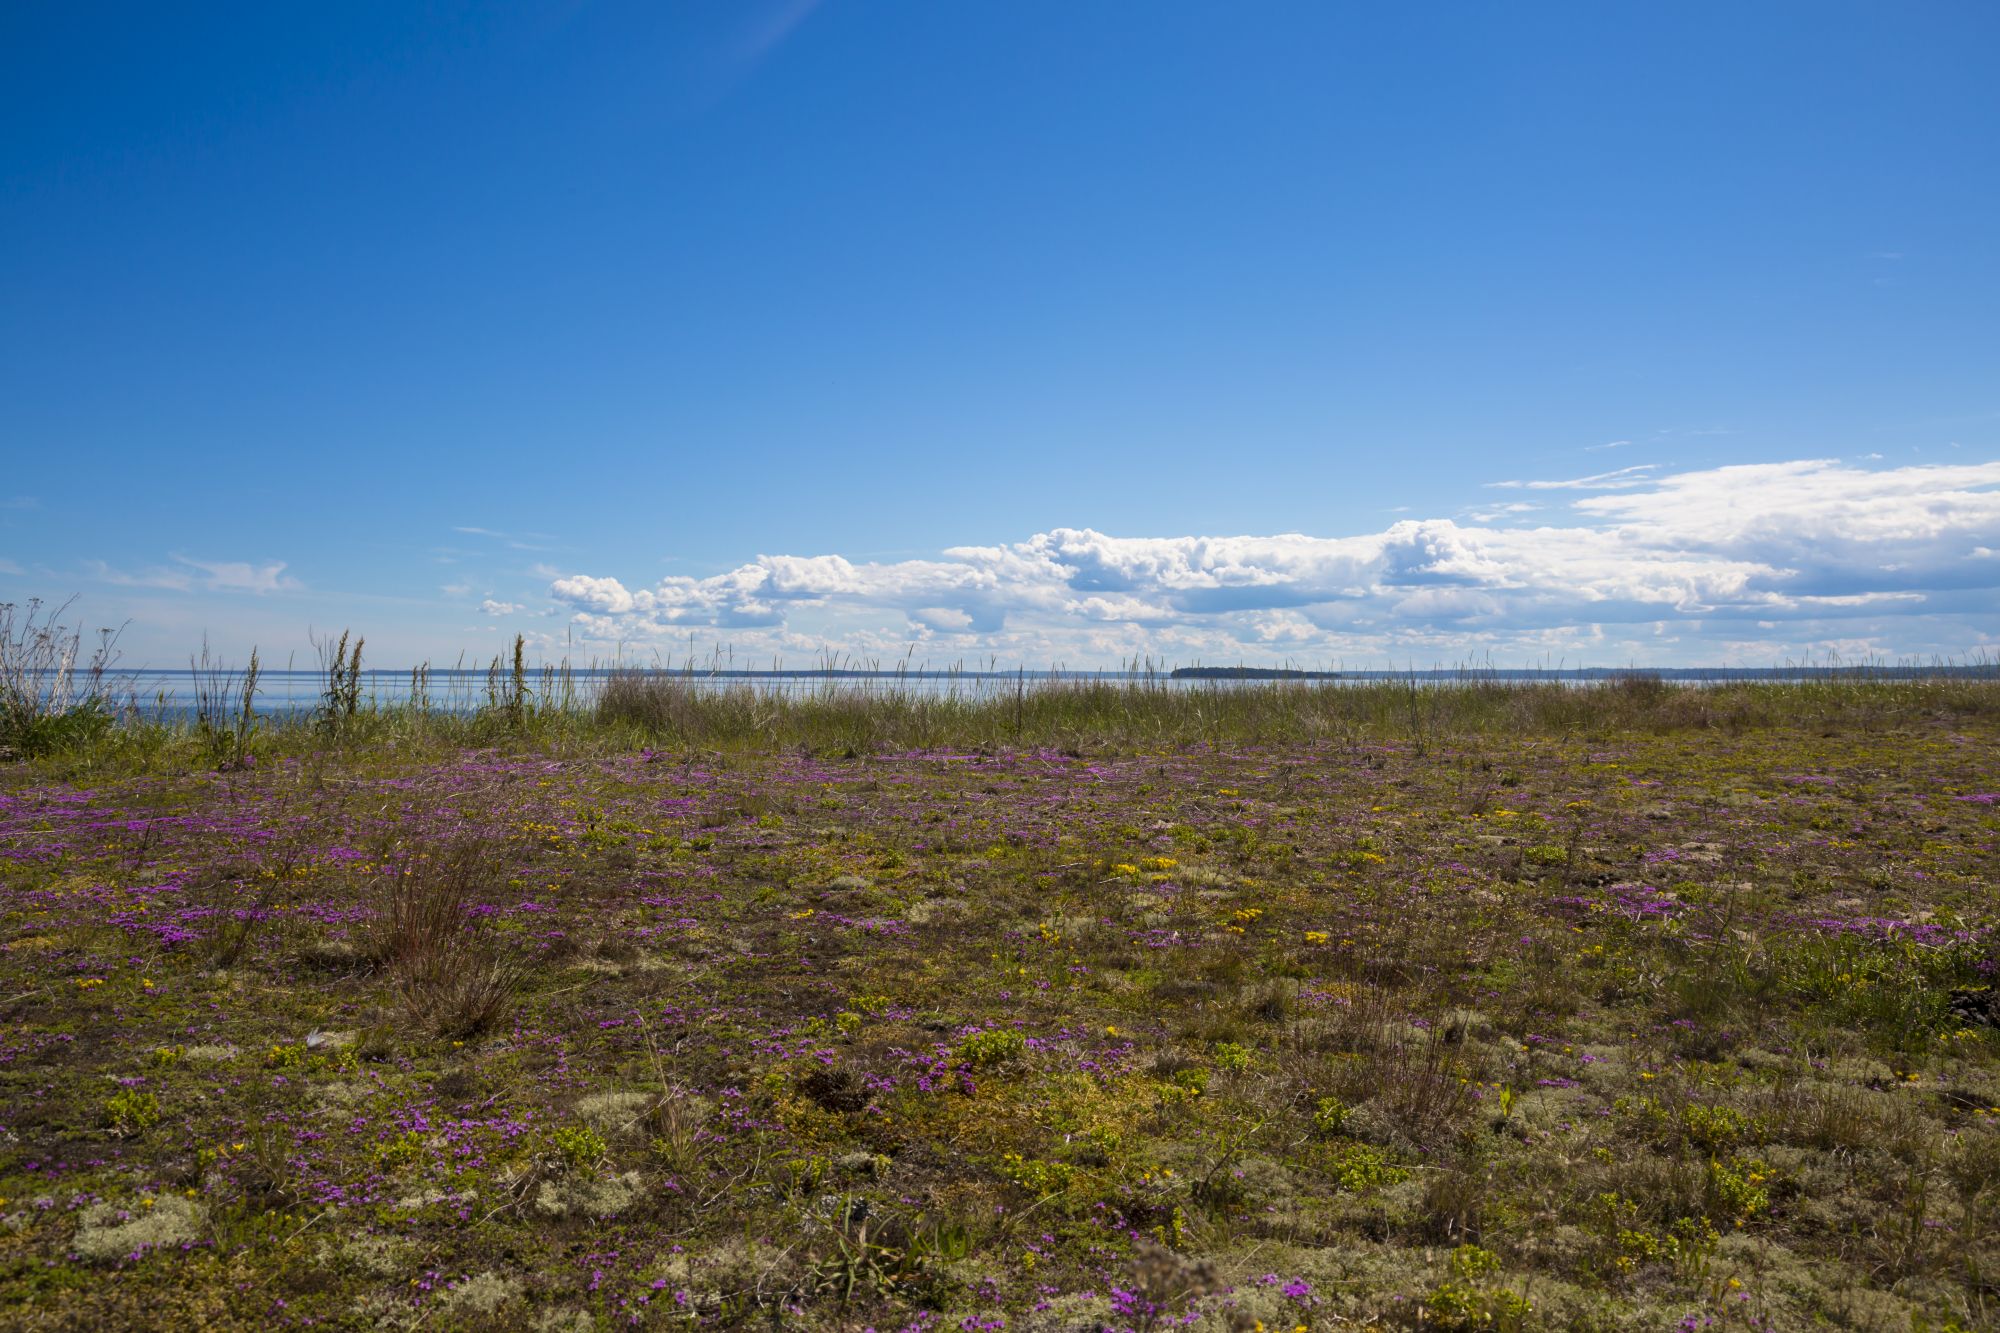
<point x="593" y="594"/>
<point x="489" y="607"/>
<point x="1496" y="512"/>
<point x="241" y="575"/>
<point x="1816" y="544"/>
<point x="189" y="574"/>
<point x="1604" y="481"/>
<point x="948" y="618"/>
<point x="177" y="579"/>
<point x="515" y="541"/>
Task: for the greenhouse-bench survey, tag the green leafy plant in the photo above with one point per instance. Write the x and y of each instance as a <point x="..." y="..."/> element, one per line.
<point x="132" y="1111"/>
<point x="994" y="1046"/>
<point x="578" y="1146"/>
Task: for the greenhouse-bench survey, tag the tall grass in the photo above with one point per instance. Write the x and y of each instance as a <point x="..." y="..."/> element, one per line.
<point x="225" y="708"/>
<point x="52" y="694"/>
<point x="453" y="977"/>
<point x="52" y="698"/>
<point x="683" y="708"/>
<point x="341" y="697"/>
<point x="677" y="710"/>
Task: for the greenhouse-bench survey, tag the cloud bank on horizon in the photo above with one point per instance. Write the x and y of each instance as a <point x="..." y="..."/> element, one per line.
<point x="1746" y="562"/>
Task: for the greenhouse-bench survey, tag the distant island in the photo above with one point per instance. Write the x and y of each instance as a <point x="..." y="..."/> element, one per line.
<point x="1249" y="673"/>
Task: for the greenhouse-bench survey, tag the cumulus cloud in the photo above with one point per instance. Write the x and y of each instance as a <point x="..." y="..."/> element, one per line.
<point x="1811" y="541"/>
<point x="490" y="607"/>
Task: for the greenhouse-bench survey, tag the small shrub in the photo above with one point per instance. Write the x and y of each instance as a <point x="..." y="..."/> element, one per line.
<point x="131" y="1112"/>
<point x="579" y="1146"/>
<point x="1708" y="1128"/>
<point x="1738" y="1188"/>
<point x="1471" y="1263"/>
<point x="1464" y="1301"/>
<point x="1714" y="1128"/>
<point x="407" y="1147"/>
<point x="1035" y="1176"/>
<point x="285" y="1057"/>
<point x="1360" y="1168"/>
<point x="994" y="1046"/>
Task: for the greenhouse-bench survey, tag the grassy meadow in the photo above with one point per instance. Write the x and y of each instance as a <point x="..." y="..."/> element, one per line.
<point x="1087" y="1007"/>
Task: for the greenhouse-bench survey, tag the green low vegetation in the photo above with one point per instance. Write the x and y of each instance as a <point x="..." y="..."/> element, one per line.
<point x="1634" y="1007"/>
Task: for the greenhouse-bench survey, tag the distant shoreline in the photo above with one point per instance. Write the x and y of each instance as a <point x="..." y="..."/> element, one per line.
<point x="1773" y="674"/>
<point x="1249" y="673"/>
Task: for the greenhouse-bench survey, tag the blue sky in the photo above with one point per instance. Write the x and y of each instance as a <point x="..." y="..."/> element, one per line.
<point x="1044" y="332"/>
